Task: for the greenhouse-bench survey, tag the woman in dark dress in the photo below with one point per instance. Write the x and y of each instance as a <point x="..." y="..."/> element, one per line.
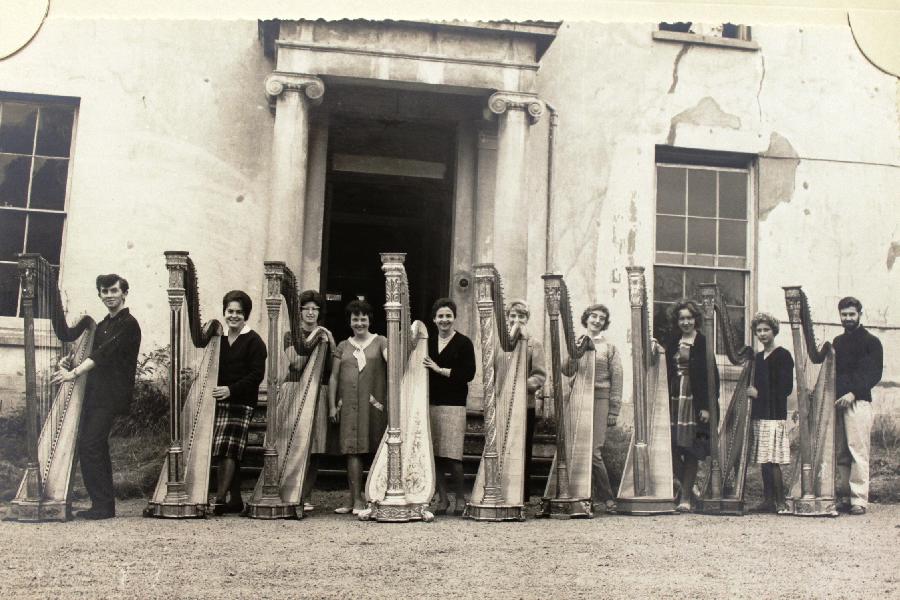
<point x="451" y="361"/>
<point x="689" y="396"/>
<point x="773" y="381"/>
<point x="242" y="366"/>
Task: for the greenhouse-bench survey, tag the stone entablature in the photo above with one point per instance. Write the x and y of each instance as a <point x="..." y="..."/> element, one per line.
<point x="501" y="56"/>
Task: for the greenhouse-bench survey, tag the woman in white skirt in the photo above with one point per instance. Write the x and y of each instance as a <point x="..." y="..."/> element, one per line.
<point x="773" y="381"/>
<point x="451" y="360"/>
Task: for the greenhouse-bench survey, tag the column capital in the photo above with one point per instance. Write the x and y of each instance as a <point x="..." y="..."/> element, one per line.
<point x="278" y="83"/>
<point x="500" y="102"/>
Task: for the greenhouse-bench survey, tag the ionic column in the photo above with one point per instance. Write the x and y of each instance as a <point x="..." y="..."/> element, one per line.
<point x="515" y="112"/>
<point x="291" y="95"/>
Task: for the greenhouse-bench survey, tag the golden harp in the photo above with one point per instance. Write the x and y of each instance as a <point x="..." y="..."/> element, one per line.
<point x="729" y="442"/>
<point x="647" y="486"/>
<point x="497" y="494"/>
<point x="402" y="478"/>
<point x="183" y="484"/>
<point x="812" y="473"/>
<point x="292" y="400"/>
<point x="52" y="413"/>
<point x="568" y="491"/>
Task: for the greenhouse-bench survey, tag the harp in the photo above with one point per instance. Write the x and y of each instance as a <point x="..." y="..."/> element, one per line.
<point x="52" y="412"/>
<point x="812" y="472"/>
<point x="402" y="478"/>
<point x="182" y="488"/>
<point x="647" y="486"/>
<point x="568" y="491"/>
<point x="729" y="440"/>
<point x="497" y="493"/>
<point x="292" y="403"/>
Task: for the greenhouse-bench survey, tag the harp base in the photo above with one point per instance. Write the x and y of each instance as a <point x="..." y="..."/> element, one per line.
<point x="273" y="509"/>
<point x="812" y="507"/>
<point x="36" y="511"/>
<point x="568" y="508"/>
<point x="175" y="510"/>
<point x="495" y="512"/>
<point x="720" y="506"/>
<point x="396" y="513"/>
<point x="640" y="506"/>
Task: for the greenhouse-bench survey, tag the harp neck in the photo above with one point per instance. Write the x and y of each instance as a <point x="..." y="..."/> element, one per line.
<point x="800" y="316"/>
<point x="184" y="295"/>
<point x="714" y="307"/>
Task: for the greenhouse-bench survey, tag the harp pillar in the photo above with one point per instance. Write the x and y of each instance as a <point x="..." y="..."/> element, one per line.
<point x="713" y="504"/>
<point x="176" y="504"/>
<point x="515" y="112"/>
<point x="271" y="505"/>
<point x="290" y="96"/>
<point x="637" y="294"/>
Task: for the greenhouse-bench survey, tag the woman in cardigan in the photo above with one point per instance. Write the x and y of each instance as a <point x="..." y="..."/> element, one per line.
<point x="451" y="360"/>
<point x="607" y="399"/>
<point x="773" y="381"/>
<point x="689" y="396"/>
<point x="356" y="397"/>
<point x="324" y="435"/>
<point x="242" y="366"/>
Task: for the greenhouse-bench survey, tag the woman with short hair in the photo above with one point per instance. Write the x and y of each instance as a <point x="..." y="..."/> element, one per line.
<point x="451" y="362"/>
<point x="242" y="367"/>
<point x="773" y="381"/>
<point x="357" y="397"/>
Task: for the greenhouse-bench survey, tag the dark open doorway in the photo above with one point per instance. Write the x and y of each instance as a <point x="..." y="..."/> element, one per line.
<point x="388" y="190"/>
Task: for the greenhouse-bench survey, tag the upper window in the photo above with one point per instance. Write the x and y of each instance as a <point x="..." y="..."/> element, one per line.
<point x="702" y="236"/>
<point x="726" y="35"/>
<point x="35" y="150"/>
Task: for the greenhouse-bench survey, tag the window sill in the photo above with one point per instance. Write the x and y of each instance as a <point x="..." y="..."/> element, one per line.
<point x="704" y="40"/>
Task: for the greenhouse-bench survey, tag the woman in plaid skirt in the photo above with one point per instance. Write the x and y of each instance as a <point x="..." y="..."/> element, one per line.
<point x="773" y="381"/>
<point x="242" y="366"/>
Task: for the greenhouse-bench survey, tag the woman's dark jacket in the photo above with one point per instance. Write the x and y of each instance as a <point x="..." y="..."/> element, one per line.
<point x="459" y="357"/>
<point x="696" y="372"/>
<point x="773" y="378"/>
<point x="242" y="367"/>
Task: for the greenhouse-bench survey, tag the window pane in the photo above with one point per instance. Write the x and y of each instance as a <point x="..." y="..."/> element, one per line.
<point x="701" y="236"/>
<point x="14" y="179"/>
<point x="17" y="123"/>
<point x="12" y="233"/>
<point x="731" y="284"/>
<point x="55" y="131"/>
<point x="9" y="290"/>
<point x="693" y="277"/>
<point x="670" y="234"/>
<point x="736" y="315"/>
<point x="733" y="238"/>
<point x="45" y="235"/>
<point x="48" y="186"/>
<point x="732" y="195"/>
<point x="670" y="190"/>
<point x="668" y="284"/>
<point x="701" y="193"/>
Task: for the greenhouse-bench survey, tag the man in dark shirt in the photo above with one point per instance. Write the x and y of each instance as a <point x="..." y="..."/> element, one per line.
<point x="110" y="370"/>
<point x="858" y="367"/>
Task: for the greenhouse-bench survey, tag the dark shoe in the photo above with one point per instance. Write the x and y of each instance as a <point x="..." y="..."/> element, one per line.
<point x="857" y="510"/>
<point x="234" y="507"/>
<point x="218" y="507"/>
<point x="96" y="514"/>
<point x="843" y="505"/>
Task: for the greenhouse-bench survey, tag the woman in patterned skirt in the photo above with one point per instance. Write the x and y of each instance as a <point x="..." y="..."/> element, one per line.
<point x="242" y="366"/>
<point x="689" y="396"/>
<point x="356" y="397"/>
<point x="451" y="360"/>
<point x="773" y="381"/>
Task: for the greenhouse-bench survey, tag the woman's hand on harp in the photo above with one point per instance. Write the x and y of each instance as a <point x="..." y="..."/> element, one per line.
<point x="221" y="392"/>
<point x="704" y="416"/>
<point x="64" y="375"/>
<point x="751" y="392"/>
<point x="334" y="413"/>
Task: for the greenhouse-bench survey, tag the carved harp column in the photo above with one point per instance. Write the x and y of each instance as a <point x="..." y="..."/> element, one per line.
<point x="515" y="113"/>
<point x="637" y="295"/>
<point x="28" y="273"/>
<point x="794" y="301"/>
<point x="290" y="96"/>
<point x="485" y="300"/>
<point x="394" y="507"/>
<point x="176" y="265"/>
<point x="708" y="293"/>
<point x="271" y="505"/>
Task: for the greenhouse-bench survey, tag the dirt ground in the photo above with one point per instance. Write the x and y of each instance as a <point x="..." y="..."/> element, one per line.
<point x="334" y="556"/>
